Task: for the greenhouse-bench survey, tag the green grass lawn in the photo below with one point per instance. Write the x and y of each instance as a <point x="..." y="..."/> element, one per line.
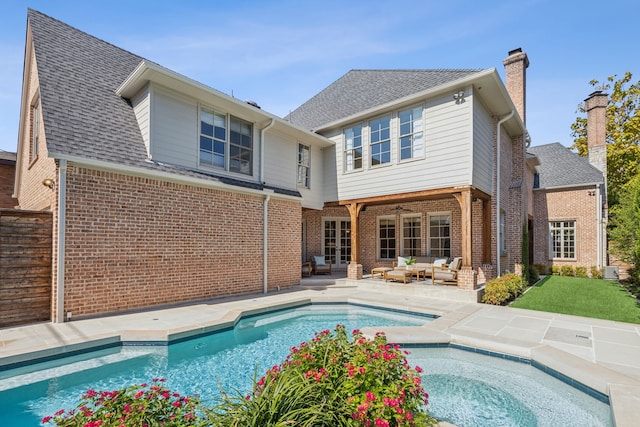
<point x="602" y="299"/>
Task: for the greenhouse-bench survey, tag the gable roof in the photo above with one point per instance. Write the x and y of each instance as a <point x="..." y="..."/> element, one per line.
<point x="361" y="90"/>
<point x="561" y="167"/>
<point x="84" y="117"/>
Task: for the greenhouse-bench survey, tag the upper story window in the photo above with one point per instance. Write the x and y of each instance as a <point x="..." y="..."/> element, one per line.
<point x="563" y="239"/>
<point x="241" y="146"/>
<point x="225" y="142"/>
<point x="35" y="131"/>
<point x="411" y="136"/>
<point x="353" y="148"/>
<point x="380" y="130"/>
<point x="304" y="165"/>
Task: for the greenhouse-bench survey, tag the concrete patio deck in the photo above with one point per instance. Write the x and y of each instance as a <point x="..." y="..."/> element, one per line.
<point x="602" y="355"/>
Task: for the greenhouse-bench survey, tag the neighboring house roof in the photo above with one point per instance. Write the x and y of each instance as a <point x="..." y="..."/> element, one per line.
<point x="7" y="157"/>
<point x="83" y="116"/>
<point x="561" y="167"/>
<point x="361" y="90"/>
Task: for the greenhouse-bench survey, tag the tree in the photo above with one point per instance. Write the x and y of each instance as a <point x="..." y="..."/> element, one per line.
<point x="625" y="223"/>
<point x="623" y="132"/>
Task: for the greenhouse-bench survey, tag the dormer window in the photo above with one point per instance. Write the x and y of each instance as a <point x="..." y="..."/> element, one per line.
<point x="225" y="142"/>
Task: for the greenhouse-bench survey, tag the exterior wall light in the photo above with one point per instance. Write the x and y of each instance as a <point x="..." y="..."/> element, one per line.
<point x="48" y="183"/>
<point x="459" y="96"/>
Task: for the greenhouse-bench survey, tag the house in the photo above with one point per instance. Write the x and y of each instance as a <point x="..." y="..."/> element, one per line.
<point x="570" y="198"/>
<point x="164" y="190"/>
<point x="7" y="179"/>
<point x="414" y="167"/>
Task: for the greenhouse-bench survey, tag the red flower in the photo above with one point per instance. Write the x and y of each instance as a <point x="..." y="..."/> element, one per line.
<point x="46" y="419"/>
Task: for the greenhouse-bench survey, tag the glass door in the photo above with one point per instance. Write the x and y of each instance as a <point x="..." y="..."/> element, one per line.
<point x="337" y="241"/>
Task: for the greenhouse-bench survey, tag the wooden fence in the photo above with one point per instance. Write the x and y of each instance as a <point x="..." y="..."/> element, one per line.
<point x="25" y="267"/>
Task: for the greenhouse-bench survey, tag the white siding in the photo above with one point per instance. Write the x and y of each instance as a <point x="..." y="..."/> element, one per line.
<point x="483" y="130"/>
<point x="281" y="168"/>
<point x="447" y="161"/>
<point x="175" y="128"/>
<point x="330" y="181"/>
<point x="141" y="106"/>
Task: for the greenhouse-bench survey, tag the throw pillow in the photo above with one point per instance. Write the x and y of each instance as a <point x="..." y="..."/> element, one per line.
<point x="319" y="260"/>
<point x="402" y="262"/>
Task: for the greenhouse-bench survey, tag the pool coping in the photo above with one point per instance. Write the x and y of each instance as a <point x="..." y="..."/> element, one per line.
<point x="623" y="391"/>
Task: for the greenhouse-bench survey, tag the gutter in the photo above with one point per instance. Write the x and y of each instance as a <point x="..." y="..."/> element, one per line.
<point x="62" y="214"/>
<point x="498" y="147"/>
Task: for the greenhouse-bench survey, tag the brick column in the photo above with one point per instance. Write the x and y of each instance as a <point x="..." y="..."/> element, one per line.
<point x="354" y="271"/>
<point x="467" y="279"/>
<point x="518" y="269"/>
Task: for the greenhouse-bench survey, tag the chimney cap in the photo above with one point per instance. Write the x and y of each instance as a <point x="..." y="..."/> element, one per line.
<point x="514" y="51"/>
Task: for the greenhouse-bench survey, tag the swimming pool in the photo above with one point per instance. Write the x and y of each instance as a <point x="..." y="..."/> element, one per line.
<point x="229" y="359"/>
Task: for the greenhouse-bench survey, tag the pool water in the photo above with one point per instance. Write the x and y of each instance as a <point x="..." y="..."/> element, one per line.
<point x="466" y="389"/>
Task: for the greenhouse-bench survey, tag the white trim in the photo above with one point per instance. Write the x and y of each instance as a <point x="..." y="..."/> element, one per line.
<point x="62" y="214"/>
<point x="402" y="218"/>
<point x="166" y="176"/>
<point x="395" y="225"/>
<point x="428" y="227"/>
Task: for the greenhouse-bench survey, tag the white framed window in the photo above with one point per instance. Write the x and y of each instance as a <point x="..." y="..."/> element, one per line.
<point x="380" y="141"/>
<point x="304" y="166"/>
<point x="411" y="133"/>
<point x="387" y="237"/>
<point x="225" y="142"/>
<point x="562" y="239"/>
<point x="353" y="148"/>
<point x="440" y="234"/>
<point x="411" y="243"/>
<point x="502" y="234"/>
<point x="35" y="130"/>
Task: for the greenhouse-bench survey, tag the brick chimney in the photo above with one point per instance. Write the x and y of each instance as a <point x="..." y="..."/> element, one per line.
<point x="596" y="107"/>
<point x="515" y="66"/>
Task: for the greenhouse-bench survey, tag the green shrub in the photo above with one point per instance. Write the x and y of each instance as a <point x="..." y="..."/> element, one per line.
<point x="567" y="270"/>
<point x="632" y="283"/>
<point x="542" y="269"/>
<point x="581" y="272"/>
<point x="596" y="273"/>
<point x="333" y="381"/>
<point x="503" y="289"/>
<point x="534" y="274"/>
<point x="555" y="270"/>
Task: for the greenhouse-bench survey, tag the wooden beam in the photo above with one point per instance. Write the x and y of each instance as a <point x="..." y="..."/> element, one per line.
<point x="465" y="202"/>
<point x="354" y="213"/>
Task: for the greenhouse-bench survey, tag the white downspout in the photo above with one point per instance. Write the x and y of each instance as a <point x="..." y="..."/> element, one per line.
<point x="62" y="213"/>
<point x="498" y="146"/>
<point x="265" y="212"/>
<point x="599" y="231"/>
<point x="262" y="143"/>
<point x="265" y="242"/>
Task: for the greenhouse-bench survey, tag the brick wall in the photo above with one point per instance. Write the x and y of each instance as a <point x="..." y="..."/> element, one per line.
<point x="369" y="228"/>
<point x="136" y="242"/>
<point x="561" y="205"/>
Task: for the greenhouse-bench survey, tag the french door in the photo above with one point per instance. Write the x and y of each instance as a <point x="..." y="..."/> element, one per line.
<point x="336" y="244"/>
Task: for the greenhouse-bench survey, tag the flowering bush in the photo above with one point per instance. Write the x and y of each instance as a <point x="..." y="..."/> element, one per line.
<point x="333" y="381"/>
<point x="139" y="405"/>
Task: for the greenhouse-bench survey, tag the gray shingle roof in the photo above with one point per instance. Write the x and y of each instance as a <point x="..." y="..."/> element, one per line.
<point x="561" y="167"/>
<point x="361" y="90"/>
<point x="82" y="115"/>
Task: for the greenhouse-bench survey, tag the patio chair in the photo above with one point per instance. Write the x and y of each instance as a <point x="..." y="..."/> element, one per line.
<point x="320" y="265"/>
<point x="446" y="274"/>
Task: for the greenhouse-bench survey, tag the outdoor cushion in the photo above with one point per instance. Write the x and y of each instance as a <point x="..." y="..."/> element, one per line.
<point x="319" y="260"/>
<point x="402" y="261"/>
<point x="439" y="262"/>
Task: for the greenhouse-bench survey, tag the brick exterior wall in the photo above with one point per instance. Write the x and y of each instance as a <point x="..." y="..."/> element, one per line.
<point x="562" y="205"/>
<point x="369" y="228"/>
<point x="134" y="242"/>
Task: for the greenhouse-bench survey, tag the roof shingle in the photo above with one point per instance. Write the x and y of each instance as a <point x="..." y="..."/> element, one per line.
<point x="561" y="167"/>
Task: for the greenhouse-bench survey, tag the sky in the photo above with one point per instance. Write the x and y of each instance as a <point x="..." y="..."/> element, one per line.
<point x="281" y="53"/>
